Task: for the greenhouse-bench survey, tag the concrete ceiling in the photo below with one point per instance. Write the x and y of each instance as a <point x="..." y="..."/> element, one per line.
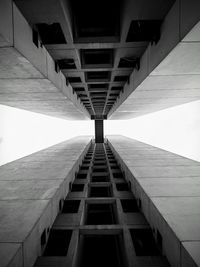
<point x="99" y="43"/>
<point x="96" y="59"/>
<point x="28" y="79"/>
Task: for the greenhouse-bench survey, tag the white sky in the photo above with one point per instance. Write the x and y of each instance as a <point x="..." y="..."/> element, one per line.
<point x="23" y="132"/>
<point x="176" y="129"/>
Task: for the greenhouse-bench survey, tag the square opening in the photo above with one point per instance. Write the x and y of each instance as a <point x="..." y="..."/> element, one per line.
<point x="99" y="163"/>
<point x="97" y="76"/>
<point x="71" y="206"/>
<point x="100" y="179"/>
<point x="112" y="161"/>
<point x="100" y="169"/>
<point x="97" y="58"/>
<point x="114" y="95"/>
<point x="77" y="187"/>
<point x="81" y="175"/>
<point x="98" y="87"/>
<point x="118" y="175"/>
<point x="121" y="78"/>
<point x="51" y="33"/>
<point x="115" y="167"/>
<point x="101" y="250"/>
<point x="117" y="88"/>
<point x="96" y="26"/>
<point x="129" y="205"/>
<point x="74" y="79"/>
<point x="144" y="31"/>
<point x="100" y="191"/>
<point x="58" y="243"/>
<point x="84" y="168"/>
<point x="144" y="242"/>
<point x="100" y="214"/>
<point x="129" y="62"/>
<point x="122" y="187"/>
<point x="99" y="158"/>
<point x="79" y="89"/>
<point x="98" y="93"/>
<point x="88" y="157"/>
<point x="67" y="63"/>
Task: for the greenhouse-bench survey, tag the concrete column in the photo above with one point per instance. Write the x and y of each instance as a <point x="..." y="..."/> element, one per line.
<point x="99" y="135"/>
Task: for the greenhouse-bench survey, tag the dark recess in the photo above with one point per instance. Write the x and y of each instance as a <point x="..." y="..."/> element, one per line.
<point x="81" y="176"/>
<point x="129" y="205"/>
<point x="105" y="250"/>
<point x="96" y="76"/>
<point x="97" y="87"/>
<point x="100" y="191"/>
<point x="77" y="187"/>
<point x="97" y="58"/>
<point x="71" y="206"/>
<point x="51" y="33"/>
<point x="67" y="63"/>
<point x="74" y="79"/>
<point x="98" y="214"/>
<point x="144" y="31"/>
<point x="122" y="187"/>
<point x="58" y="243"/>
<point x="122" y="78"/>
<point x="144" y="242"/>
<point x="98" y="25"/>
<point x="129" y="62"/>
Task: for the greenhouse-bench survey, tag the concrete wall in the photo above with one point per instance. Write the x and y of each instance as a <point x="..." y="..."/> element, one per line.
<point x="169" y="71"/>
<point x="28" y="79"/>
<point x="168" y="186"/>
<point x="30" y="191"/>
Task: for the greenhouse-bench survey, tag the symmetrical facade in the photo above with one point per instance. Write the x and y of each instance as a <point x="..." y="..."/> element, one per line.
<point x="105" y="201"/>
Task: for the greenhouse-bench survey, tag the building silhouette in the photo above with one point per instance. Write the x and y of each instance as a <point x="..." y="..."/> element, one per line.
<point x="103" y="201"/>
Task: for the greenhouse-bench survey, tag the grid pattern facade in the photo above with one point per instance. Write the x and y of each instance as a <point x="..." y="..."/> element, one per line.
<point x="100" y="223"/>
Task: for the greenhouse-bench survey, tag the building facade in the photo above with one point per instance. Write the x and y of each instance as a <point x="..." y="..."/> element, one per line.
<point x="106" y="201"/>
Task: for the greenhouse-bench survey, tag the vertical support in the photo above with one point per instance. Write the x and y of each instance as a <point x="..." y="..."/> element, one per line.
<point x="99" y="136"/>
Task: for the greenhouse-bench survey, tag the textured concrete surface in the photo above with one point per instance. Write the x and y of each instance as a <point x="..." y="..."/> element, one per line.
<point x="169" y="189"/>
<point x="170" y="70"/>
<point x="30" y="191"/>
<point x="28" y="79"/>
<point x="11" y="254"/>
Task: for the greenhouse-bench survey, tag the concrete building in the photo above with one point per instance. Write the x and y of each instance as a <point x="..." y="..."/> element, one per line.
<point x="107" y="201"/>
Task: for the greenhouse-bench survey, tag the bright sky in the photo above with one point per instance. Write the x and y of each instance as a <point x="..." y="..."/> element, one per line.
<point x="176" y="129"/>
<point x="23" y="132"/>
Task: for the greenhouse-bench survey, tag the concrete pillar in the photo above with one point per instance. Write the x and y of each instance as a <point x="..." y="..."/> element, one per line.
<point x="99" y="135"/>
